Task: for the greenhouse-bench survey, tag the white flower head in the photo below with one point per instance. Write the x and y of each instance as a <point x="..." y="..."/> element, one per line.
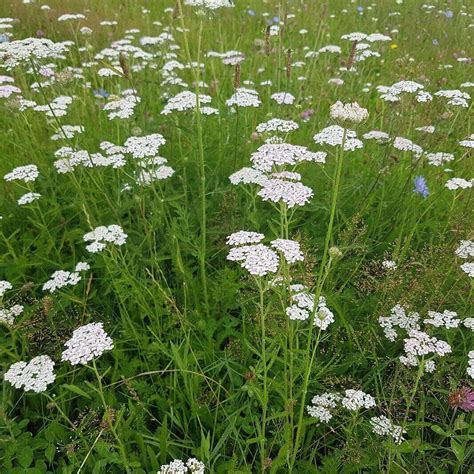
<point x="382" y="426"/>
<point x="277" y="126"/>
<point x="28" y="198"/>
<point x="34" y="376"/>
<point x="351" y="112"/>
<point x="291" y="193"/>
<point x="243" y="237"/>
<point x="356" y="399"/>
<point x="243" y="97"/>
<point x="258" y="259"/>
<point x="468" y="268"/>
<point x="27" y="174"/>
<point x="146" y="146"/>
<point x="335" y="135"/>
<point x="4" y="286"/>
<point x="465" y="249"/>
<point x="283" y="98"/>
<point x="290" y="250"/>
<point x="87" y="342"/>
<point x="8" y="315"/>
<point x="103" y="235"/>
<point x="210" y="4"/>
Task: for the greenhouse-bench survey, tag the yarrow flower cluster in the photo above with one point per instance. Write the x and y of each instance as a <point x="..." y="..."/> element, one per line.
<point x="404" y="144"/>
<point x="283" y="98"/>
<point x="257" y="258"/>
<point x="398" y="319"/>
<point x="466" y="250"/>
<point x="277" y="126"/>
<point x="67" y="132"/>
<point x="458" y="183"/>
<point x="470" y="364"/>
<point x="376" y="135"/>
<point x="61" y="278"/>
<point x="389" y="265"/>
<point x="87" y="342"/>
<point x="34" y="376"/>
<point x="70" y="159"/>
<point x="280" y="190"/>
<point x="184" y="101"/>
<point x="28" y="198"/>
<point x="4" y="286"/>
<point x="243" y="97"/>
<point x="58" y="107"/>
<point x="211" y="4"/>
<point x="439" y="158"/>
<point x="348" y="112"/>
<point x="102" y="235"/>
<point x="418" y="343"/>
<point x="335" y="135"/>
<point x="446" y="319"/>
<point x="122" y="107"/>
<point x="383" y="426"/>
<point x="289" y="248"/>
<point x="243" y="237"/>
<point x="303" y="306"/>
<point x="145" y="146"/>
<point x="8" y="315"/>
<point x="455" y="97"/>
<point x="393" y="93"/>
<point x="20" y="52"/>
<point x="192" y="466"/>
<point x="274" y="155"/>
<point x="323" y="406"/>
<point x="27" y="174"/>
<point x="279" y="186"/>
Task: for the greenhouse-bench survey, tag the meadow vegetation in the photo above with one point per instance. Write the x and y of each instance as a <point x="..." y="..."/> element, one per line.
<point x="236" y="238"/>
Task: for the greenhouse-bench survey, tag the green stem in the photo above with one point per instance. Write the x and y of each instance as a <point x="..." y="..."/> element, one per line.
<point x="265" y="373"/>
<point x="201" y="165"/>
<point x="309" y="357"/>
<point x="106" y="415"/>
<point x="421" y="369"/>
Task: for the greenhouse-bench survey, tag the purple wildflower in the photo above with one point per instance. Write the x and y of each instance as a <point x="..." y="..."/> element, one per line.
<point x="420" y="186"/>
<point x="307" y="114"/>
<point x="101" y="93"/>
<point x="462" y="398"/>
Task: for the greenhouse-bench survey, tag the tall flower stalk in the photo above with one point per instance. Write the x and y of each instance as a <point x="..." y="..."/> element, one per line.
<point x="323" y="272"/>
<point x="201" y="160"/>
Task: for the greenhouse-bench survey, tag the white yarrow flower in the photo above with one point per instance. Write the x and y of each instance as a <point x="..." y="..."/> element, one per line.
<point x="87" y="342"/>
<point x="352" y="112"/>
<point x="34" y="376"/>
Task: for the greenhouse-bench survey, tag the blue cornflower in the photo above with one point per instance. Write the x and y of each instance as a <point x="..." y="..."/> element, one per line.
<point x="435" y="42"/>
<point x="449" y="14"/>
<point x="275" y="19"/>
<point x="101" y="93"/>
<point x="360" y="8"/>
<point x="420" y="186"/>
<point x="251" y="12"/>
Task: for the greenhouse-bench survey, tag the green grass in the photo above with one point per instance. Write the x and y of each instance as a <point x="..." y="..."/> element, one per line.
<point x="204" y="364"/>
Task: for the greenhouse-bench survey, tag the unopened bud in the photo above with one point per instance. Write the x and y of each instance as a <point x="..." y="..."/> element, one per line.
<point x="334" y="252"/>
